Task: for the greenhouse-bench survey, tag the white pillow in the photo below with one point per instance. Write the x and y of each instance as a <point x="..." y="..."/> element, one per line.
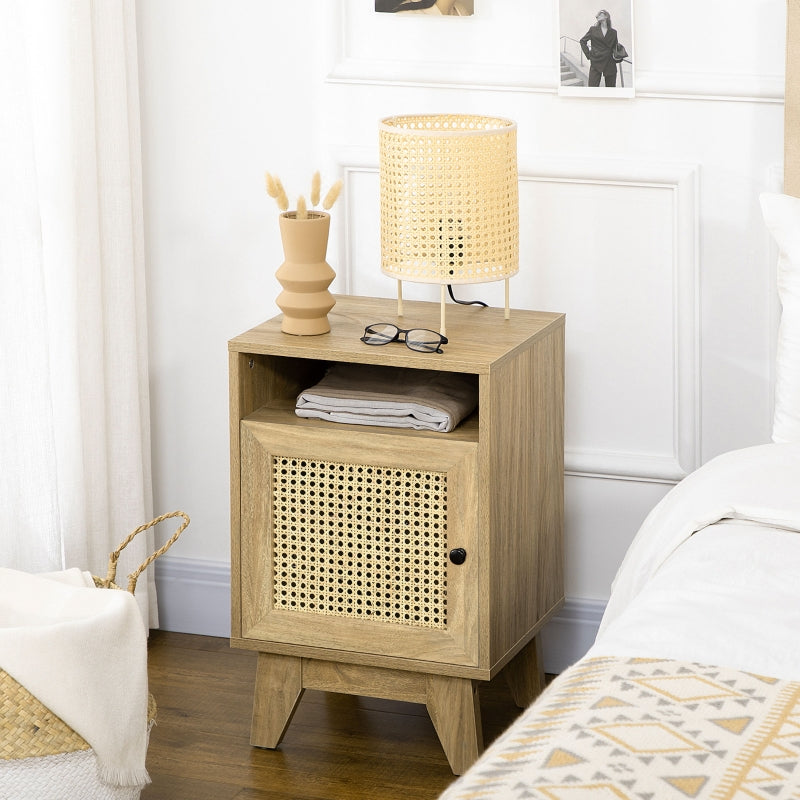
<point x="782" y="217"/>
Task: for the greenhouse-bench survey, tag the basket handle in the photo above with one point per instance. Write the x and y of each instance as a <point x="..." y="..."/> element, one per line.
<point x="134" y="576"/>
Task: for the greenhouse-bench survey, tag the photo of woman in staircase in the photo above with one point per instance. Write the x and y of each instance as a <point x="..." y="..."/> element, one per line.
<point x="598" y="45"/>
<point x="596" y="63"/>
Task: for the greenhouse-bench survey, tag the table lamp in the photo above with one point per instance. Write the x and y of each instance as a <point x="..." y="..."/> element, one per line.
<point x="449" y="201"/>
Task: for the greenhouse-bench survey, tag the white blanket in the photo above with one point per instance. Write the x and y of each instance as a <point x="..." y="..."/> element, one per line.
<point x="759" y="484"/>
<point x="82" y="652"/>
<point x="729" y="595"/>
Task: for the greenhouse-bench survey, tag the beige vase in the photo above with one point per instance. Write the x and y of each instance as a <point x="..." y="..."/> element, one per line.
<point x="305" y="275"/>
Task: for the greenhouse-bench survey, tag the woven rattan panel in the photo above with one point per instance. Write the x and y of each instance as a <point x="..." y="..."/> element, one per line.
<point x="360" y="541"/>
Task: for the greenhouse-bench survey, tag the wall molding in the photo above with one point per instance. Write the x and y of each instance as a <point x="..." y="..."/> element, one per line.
<point x="680" y="180"/>
<point x="420" y="75"/>
<point x="194" y="597"/>
<point x="704" y="86"/>
<point x="348" y="68"/>
<point x="710" y="86"/>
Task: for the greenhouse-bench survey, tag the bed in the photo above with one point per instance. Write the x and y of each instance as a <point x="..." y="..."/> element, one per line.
<point x="692" y="688"/>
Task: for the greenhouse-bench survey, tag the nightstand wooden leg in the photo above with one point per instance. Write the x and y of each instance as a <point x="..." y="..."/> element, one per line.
<point x="525" y="674"/>
<point x="279" y="687"/>
<point x="456" y="714"/>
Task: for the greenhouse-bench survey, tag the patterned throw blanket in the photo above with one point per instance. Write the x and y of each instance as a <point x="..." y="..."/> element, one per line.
<point x="647" y="729"/>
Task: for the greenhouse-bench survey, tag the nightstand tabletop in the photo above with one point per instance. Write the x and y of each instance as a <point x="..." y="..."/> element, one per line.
<point x="477" y="337"/>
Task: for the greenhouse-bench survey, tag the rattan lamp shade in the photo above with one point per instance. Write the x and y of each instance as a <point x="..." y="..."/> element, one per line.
<point x="449" y="198"/>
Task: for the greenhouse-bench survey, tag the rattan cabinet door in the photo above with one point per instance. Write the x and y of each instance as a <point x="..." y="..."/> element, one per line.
<point x="346" y="542"/>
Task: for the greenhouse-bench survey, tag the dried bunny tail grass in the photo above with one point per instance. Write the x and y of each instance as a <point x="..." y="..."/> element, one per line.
<point x="272" y="186"/>
<point x="332" y="196"/>
<point x="282" y="199"/>
<point x="316" y="183"/>
<point x="275" y="189"/>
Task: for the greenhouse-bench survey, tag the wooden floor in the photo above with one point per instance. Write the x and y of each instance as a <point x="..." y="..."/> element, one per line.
<point x="338" y="747"/>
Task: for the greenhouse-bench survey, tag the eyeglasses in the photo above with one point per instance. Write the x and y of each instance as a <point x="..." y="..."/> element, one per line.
<point x="419" y="339"/>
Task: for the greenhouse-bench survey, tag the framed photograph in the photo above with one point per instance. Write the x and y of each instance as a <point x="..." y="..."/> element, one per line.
<point x="434" y="8"/>
<point x="595" y="48"/>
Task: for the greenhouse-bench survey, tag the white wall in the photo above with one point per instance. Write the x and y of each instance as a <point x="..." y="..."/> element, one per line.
<point x="640" y="220"/>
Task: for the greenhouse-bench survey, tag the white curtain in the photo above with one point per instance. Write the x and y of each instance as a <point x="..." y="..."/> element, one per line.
<point x="74" y="406"/>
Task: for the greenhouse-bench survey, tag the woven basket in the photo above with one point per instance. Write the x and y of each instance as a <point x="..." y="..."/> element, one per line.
<point x="28" y="729"/>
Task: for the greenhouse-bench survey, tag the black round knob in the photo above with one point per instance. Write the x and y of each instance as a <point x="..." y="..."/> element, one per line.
<point x="458" y="555"/>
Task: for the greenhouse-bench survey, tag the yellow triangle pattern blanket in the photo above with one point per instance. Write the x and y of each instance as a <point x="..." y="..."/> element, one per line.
<point x="647" y="729"/>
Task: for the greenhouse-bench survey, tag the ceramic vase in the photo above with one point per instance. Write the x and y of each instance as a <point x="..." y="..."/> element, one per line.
<point x="305" y="274"/>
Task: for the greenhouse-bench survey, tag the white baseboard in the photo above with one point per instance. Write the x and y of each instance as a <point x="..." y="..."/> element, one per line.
<point x="569" y="634"/>
<point x="194" y="597"/>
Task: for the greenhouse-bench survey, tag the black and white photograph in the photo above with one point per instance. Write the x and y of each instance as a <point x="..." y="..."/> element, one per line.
<point x="595" y="48"/>
<point x="434" y="8"/>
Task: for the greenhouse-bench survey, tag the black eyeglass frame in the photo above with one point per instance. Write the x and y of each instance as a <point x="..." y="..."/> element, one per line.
<point x="434" y="347"/>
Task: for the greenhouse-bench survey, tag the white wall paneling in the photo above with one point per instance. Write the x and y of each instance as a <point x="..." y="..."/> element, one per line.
<point x="632" y="369"/>
<point x="640" y="220"/>
<point x="633" y="402"/>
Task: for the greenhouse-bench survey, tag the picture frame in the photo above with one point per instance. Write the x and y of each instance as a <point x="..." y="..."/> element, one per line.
<point x="586" y="27"/>
<point x="434" y="8"/>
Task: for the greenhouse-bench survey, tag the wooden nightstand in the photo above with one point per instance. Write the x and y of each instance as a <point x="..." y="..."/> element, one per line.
<point x="342" y="576"/>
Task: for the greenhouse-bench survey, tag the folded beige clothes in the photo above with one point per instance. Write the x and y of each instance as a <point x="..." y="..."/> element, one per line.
<point x="366" y="394"/>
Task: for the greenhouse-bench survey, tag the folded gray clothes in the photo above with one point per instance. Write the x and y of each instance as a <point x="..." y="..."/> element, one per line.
<point x="365" y="394"/>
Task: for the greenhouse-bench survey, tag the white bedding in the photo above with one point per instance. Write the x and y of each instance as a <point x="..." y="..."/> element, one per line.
<point x="713" y="574"/>
<point x="729" y="595"/>
<point x="758" y="484"/>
